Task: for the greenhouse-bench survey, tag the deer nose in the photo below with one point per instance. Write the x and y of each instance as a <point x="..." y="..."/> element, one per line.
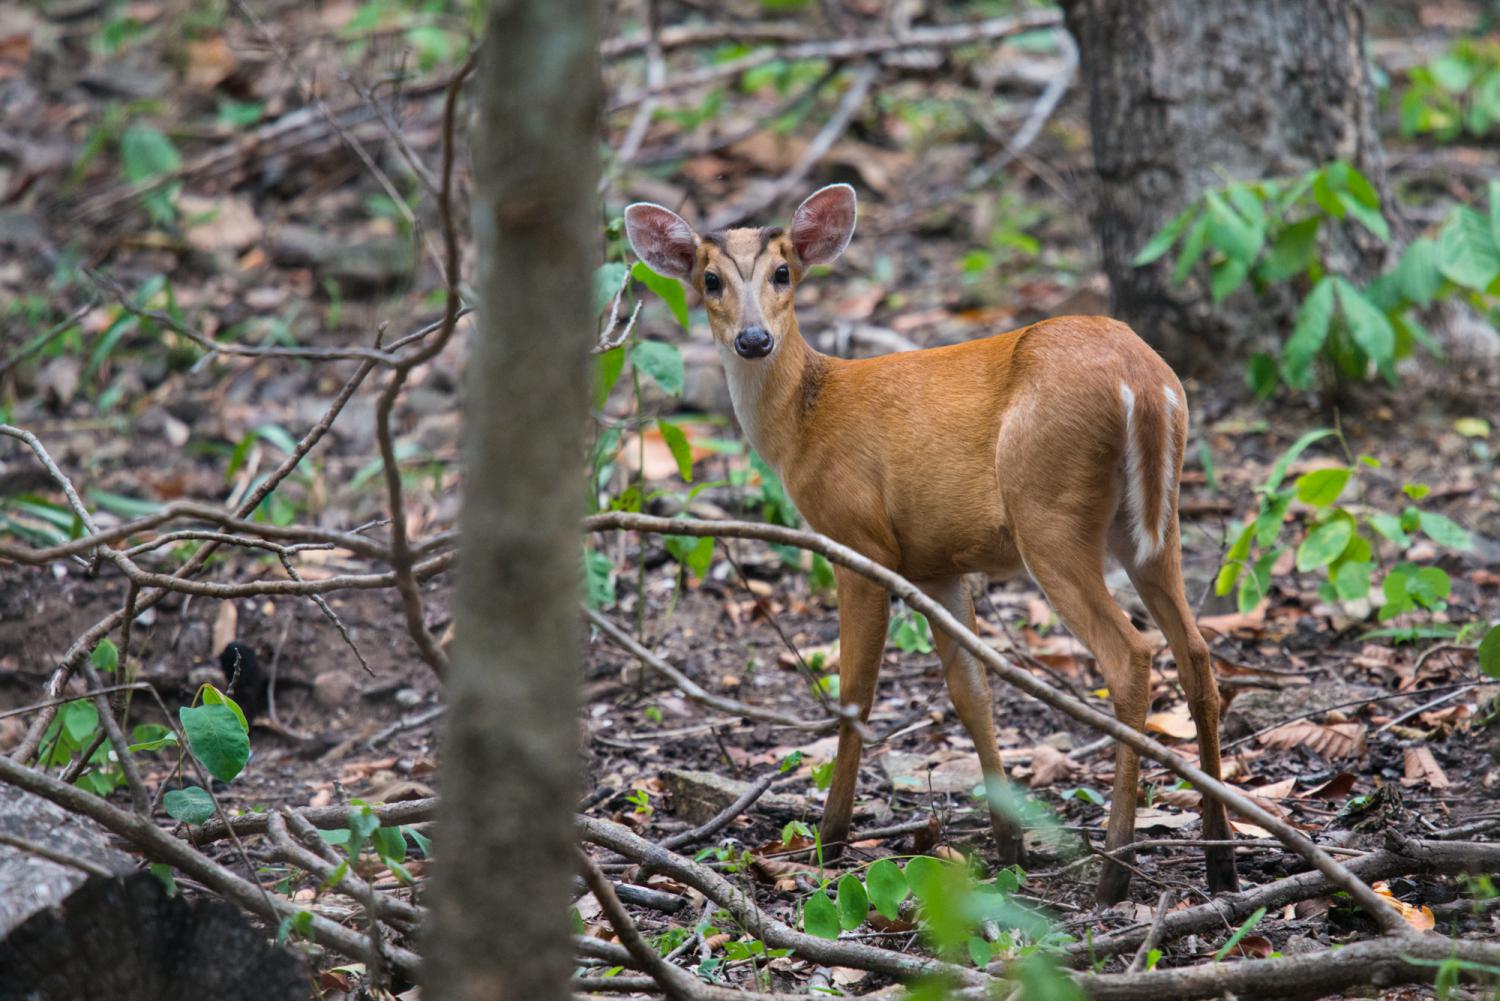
<point x="753" y="342"/>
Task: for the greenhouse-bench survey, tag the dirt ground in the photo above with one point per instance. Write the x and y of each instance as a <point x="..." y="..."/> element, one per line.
<point x="141" y="420"/>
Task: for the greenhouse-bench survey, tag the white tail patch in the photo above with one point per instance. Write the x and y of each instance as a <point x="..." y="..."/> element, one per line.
<point x="1168" y="466"/>
<point x="1135" y="482"/>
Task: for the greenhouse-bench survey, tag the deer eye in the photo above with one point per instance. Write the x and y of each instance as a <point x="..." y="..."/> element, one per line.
<point x="711" y="282"/>
<point x="783" y="275"/>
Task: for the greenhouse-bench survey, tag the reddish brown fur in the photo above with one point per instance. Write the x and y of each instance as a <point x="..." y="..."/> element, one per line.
<point x="999" y="455"/>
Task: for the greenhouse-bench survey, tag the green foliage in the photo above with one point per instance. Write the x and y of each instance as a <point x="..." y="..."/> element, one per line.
<point x="1489" y="653"/>
<point x="146" y="155"/>
<point x="1239" y="933"/>
<point x="1266" y="233"/>
<point x="909" y="631"/>
<point x="1340" y="539"/>
<point x="1454" y="94"/>
<point x="190" y="805"/>
<point x="217" y="734"/>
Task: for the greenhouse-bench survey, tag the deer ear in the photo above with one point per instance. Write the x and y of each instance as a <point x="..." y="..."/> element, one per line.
<point x="822" y="225"/>
<point x="662" y="239"/>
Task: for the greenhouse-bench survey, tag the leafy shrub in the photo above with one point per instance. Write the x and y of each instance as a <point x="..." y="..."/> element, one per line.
<point x="1456" y="93"/>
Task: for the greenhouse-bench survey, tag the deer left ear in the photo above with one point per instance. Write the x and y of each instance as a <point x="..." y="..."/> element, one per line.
<point x="823" y="224"/>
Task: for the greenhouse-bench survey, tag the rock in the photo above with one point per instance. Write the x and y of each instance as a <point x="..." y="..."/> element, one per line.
<point x="698" y="796"/>
<point x="944" y="772"/>
<point x="334" y="688"/>
<point x="361" y="261"/>
<point x="1259" y="708"/>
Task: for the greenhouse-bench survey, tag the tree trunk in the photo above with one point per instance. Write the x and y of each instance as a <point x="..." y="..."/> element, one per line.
<point x="505" y="865"/>
<point x="1185" y="95"/>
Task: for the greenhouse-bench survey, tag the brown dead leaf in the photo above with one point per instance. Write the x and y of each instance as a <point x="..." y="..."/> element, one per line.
<point x="1253" y="947"/>
<point x="226" y="622"/>
<point x="1422" y="768"/>
<point x="1250" y="830"/>
<point x="1049" y="765"/>
<point x="1176" y="722"/>
<point x="1147" y="819"/>
<point x="1331" y="740"/>
<point x="226" y="223"/>
<point x="1235" y="622"/>
<point x="660" y="465"/>
<point x="1335" y="788"/>
<point x="1420" y="918"/>
<point x="209" y="62"/>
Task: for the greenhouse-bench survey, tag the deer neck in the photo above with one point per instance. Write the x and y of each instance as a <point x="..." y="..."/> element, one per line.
<point x="773" y="395"/>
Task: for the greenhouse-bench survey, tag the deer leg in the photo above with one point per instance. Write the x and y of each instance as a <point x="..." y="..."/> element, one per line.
<point x="864" y="608"/>
<point x="969" y="690"/>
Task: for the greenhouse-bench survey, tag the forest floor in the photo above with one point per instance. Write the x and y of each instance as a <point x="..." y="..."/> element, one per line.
<point x="286" y="238"/>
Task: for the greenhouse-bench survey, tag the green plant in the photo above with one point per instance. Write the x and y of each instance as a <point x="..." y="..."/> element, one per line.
<point x="909" y="631"/>
<point x="1456" y="93"/>
<point x="1340" y="540"/>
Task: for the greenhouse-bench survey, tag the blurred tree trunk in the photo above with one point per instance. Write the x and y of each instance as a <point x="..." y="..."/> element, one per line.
<point x="1187" y="94"/>
<point x="505" y="864"/>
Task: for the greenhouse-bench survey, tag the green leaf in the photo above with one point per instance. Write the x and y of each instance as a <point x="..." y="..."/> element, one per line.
<point x="819" y="917"/>
<point x="1325" y="543"/>
<point x="1429" y="587"/>
<point x="598" y="579"/>
<point x="1444" y="531"/>
<point x="152" y="737"/>
<point x="217" y="739"/>
<point x="79" y="720"/>
<point x="1368" y="326"/>
<point x="146" y="153"/>
<point x="1416" y="491"/>
<point x="1226" y="276"/>
<point x="1164" y="238"/>
<point x="1322" y="487"/>
<point x="190" y="805"/>
<point x="697" y="554"/>
<point x="1397" y="598"/>
<point x="1278" y="471"/>
<point x="1192" y="249"/>
<point x="1368" y="217"/>
<point x="1495" y="182"/>
<point x="213" y="697"/>
<point x="1389" y="526"/>
<point x="1467" y="251"/>
<point x="607" y="280"/>
<point x="923" y="875"/>
<point x="1293" y="251"/>
<point x="669" y="289"/>
<point x="1233" y="566"/>
<point x="662" y="362"/>
<point x="1419" y="276"/>
<point x="853" y="904"/>
<point x="1239" y="933"/>
<point x="607" y="369"/>
<point x="887" y="888"/>
<point x="979" y="951"/>
<point x="1472" y="427"/>
<point x="106" y="656"/>
<point x="677" y="443"/>
<point x="1309" y="332"/>
<point x="1489" y="657"/>
<point x="1261" y="375"/>
<point x="1231" y="234"/>
<point x="389" y="844"/>
<point x="1352" y="579"/>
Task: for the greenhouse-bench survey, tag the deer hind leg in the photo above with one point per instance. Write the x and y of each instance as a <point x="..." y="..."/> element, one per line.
<point x="1158" y="581"/>
<point x="864" y="607"/>
<point x="969" y="690"/>
<point x="1066" y="558"/>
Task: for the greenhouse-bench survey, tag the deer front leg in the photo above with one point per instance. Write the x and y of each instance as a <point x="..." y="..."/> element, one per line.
<point x="969" y="690"/>
<point x="864" y="607"/>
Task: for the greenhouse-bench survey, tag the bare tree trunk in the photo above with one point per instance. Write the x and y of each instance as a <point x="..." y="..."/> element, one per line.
<point x="1187" y="94"/>
<point x="509" y="768"/>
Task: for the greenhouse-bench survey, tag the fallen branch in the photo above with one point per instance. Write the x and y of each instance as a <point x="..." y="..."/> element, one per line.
<point x="1385" y="916"/>
<point x="326" y="818"/>
<point x="1406" y="857"/>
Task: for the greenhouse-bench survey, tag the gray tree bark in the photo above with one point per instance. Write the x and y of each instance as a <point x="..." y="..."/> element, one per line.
<point x="509" y="766"/>
<point x="1187" y="94"/>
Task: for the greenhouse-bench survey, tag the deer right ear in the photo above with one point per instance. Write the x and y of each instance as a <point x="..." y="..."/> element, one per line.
<point x="662" y="239"/>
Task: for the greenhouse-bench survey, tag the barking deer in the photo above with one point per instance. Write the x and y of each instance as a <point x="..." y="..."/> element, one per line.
<point x="1043" y="450"/>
